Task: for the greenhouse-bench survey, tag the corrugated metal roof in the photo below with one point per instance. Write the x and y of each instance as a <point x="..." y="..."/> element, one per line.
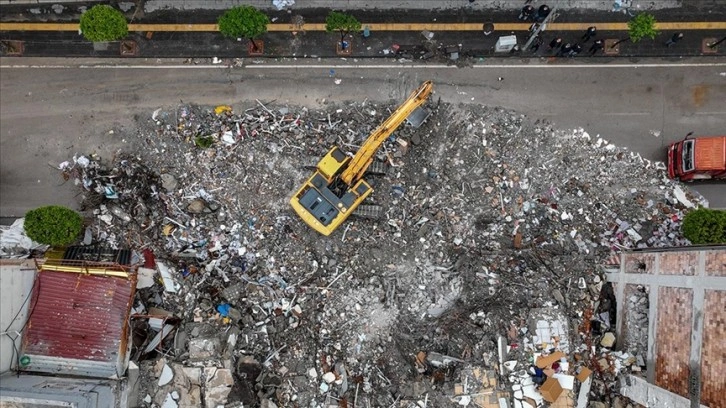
<point x="79" y="324"/>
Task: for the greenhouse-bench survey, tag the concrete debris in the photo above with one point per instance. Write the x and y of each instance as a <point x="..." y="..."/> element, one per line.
<point x="217" y="386"/>
<point x="166" y="375"/>
<point x="492" y="227"/>
<point x="608" y="340"/>
<point x="281" y="4"/>
<point x="14" y="243"/>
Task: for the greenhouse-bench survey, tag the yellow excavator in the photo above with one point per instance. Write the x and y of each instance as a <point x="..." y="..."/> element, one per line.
<point x="337" y="187"/>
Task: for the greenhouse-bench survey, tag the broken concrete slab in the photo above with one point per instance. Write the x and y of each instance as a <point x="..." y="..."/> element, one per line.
<point x="217" y="386"/>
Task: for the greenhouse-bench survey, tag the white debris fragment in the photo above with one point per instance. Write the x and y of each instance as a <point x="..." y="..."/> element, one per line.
<point x="169" y="402"/>
<point x="170" y="284"/>
<point x="166" y="375"/>
<point x="681" y="197"/>
<point x="145" y="278"/>
<point x="281" y="4"/>
<point x="329" y="377"/>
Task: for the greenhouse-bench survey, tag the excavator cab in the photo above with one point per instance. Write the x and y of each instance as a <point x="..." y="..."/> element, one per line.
<point x="337" y="188"/>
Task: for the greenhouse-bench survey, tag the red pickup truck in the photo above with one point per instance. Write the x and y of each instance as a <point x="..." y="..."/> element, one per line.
<point x="699" y="158"/>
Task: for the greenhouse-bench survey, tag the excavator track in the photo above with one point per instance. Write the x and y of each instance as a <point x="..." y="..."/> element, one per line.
<point x="368" y="211"/>
<point x="377" y="168"/>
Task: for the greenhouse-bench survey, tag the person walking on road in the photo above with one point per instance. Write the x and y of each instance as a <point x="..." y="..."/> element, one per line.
<point x="596" y="46"/>
<point x="542" y="13"/>
<point x="564" y="50"/>
<point x="576" y="49"/>
<point x="676" y="37"/>
<point x="591" y="31"/>
<point x="536" y="44"/>
<point x="555" y="43"/>
<point x="526" y="12"/>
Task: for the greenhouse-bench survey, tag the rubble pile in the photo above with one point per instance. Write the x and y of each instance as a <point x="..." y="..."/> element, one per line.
<point x="486" y="254"/>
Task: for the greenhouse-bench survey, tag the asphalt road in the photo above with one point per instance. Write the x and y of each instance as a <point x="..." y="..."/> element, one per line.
<point x="48" y="114"/>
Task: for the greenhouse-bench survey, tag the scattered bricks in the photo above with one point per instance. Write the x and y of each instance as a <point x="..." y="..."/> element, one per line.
<point x="518" y="240"/>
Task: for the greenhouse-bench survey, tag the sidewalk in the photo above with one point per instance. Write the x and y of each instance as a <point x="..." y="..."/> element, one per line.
<point x="462" y="32"/>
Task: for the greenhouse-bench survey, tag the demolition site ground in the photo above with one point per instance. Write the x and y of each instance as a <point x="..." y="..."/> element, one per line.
<point x="488" y="222"/>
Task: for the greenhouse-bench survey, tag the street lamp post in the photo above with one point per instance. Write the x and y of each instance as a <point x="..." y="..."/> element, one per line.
<point x="550" y="18"/>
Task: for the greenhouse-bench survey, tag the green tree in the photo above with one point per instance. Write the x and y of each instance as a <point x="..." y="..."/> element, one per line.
<point x="243" y="22"/>
<point x="642" y="26"/>
<point x="343" y="23"/>
<point x="53" y="225"/>
<point x="705" y="226"/>
<point x="103" y="23"/>
<point x="639" y="27"/>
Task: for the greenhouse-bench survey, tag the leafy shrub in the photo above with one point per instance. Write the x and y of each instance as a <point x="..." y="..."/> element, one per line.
<point x="642" y="26"/>
<point x="243" y="22"/>
<point x="203" y="141"/>
<point x="103" y="23"/>
<point x="53" y="225"/>
<point x="705" y="226"/>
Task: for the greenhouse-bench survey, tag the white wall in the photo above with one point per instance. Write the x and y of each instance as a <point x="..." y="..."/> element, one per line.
<point x="16" y="282"/>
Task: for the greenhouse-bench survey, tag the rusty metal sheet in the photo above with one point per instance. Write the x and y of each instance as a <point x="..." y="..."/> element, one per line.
<point x="79" y="324"/>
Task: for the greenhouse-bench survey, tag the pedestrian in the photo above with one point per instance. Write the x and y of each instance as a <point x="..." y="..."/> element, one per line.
<point x="534" y="27"/>
<point x="555" y="43"/>
<point x="526" y="12"/>
<point x="536" y="43"/>
<point x="676" y="37"/>
<point x="576" y="49"/>
<point x="542" y="13"/>
<point x="564" y="50"/>
<point x="596" y="46"/>
<point x="591" y="31"/>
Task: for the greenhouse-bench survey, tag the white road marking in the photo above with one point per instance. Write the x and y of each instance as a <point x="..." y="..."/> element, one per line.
<point x="359" y="66"/>
<point x="627" y="113"/>
<point x="710" y="113"/>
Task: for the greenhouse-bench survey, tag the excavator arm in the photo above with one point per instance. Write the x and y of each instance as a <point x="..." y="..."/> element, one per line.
<point x="363" y="158"/>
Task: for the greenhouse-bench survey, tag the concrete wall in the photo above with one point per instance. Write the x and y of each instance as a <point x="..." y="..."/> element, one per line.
<point x="650" y="395"/>
<point x="16" y="282"/>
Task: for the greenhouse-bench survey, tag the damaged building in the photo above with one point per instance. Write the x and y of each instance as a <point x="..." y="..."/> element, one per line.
<point x="486" y="279"/>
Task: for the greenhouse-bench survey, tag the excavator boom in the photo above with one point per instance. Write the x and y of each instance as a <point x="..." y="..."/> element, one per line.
<point x="363" y="158"/>
<point x="337" y="188"/>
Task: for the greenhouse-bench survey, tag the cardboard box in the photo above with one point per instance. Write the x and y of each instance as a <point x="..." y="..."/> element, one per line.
<point x="546" y="361"/>
<point x="550" y="390"/>
<point x="583" y="374"/>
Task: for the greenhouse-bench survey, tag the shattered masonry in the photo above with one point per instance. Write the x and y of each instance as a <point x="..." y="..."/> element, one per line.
<point x="492" y="226"/>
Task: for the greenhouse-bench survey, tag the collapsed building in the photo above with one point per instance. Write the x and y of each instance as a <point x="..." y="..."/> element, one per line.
<point x="481" y="283"/>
